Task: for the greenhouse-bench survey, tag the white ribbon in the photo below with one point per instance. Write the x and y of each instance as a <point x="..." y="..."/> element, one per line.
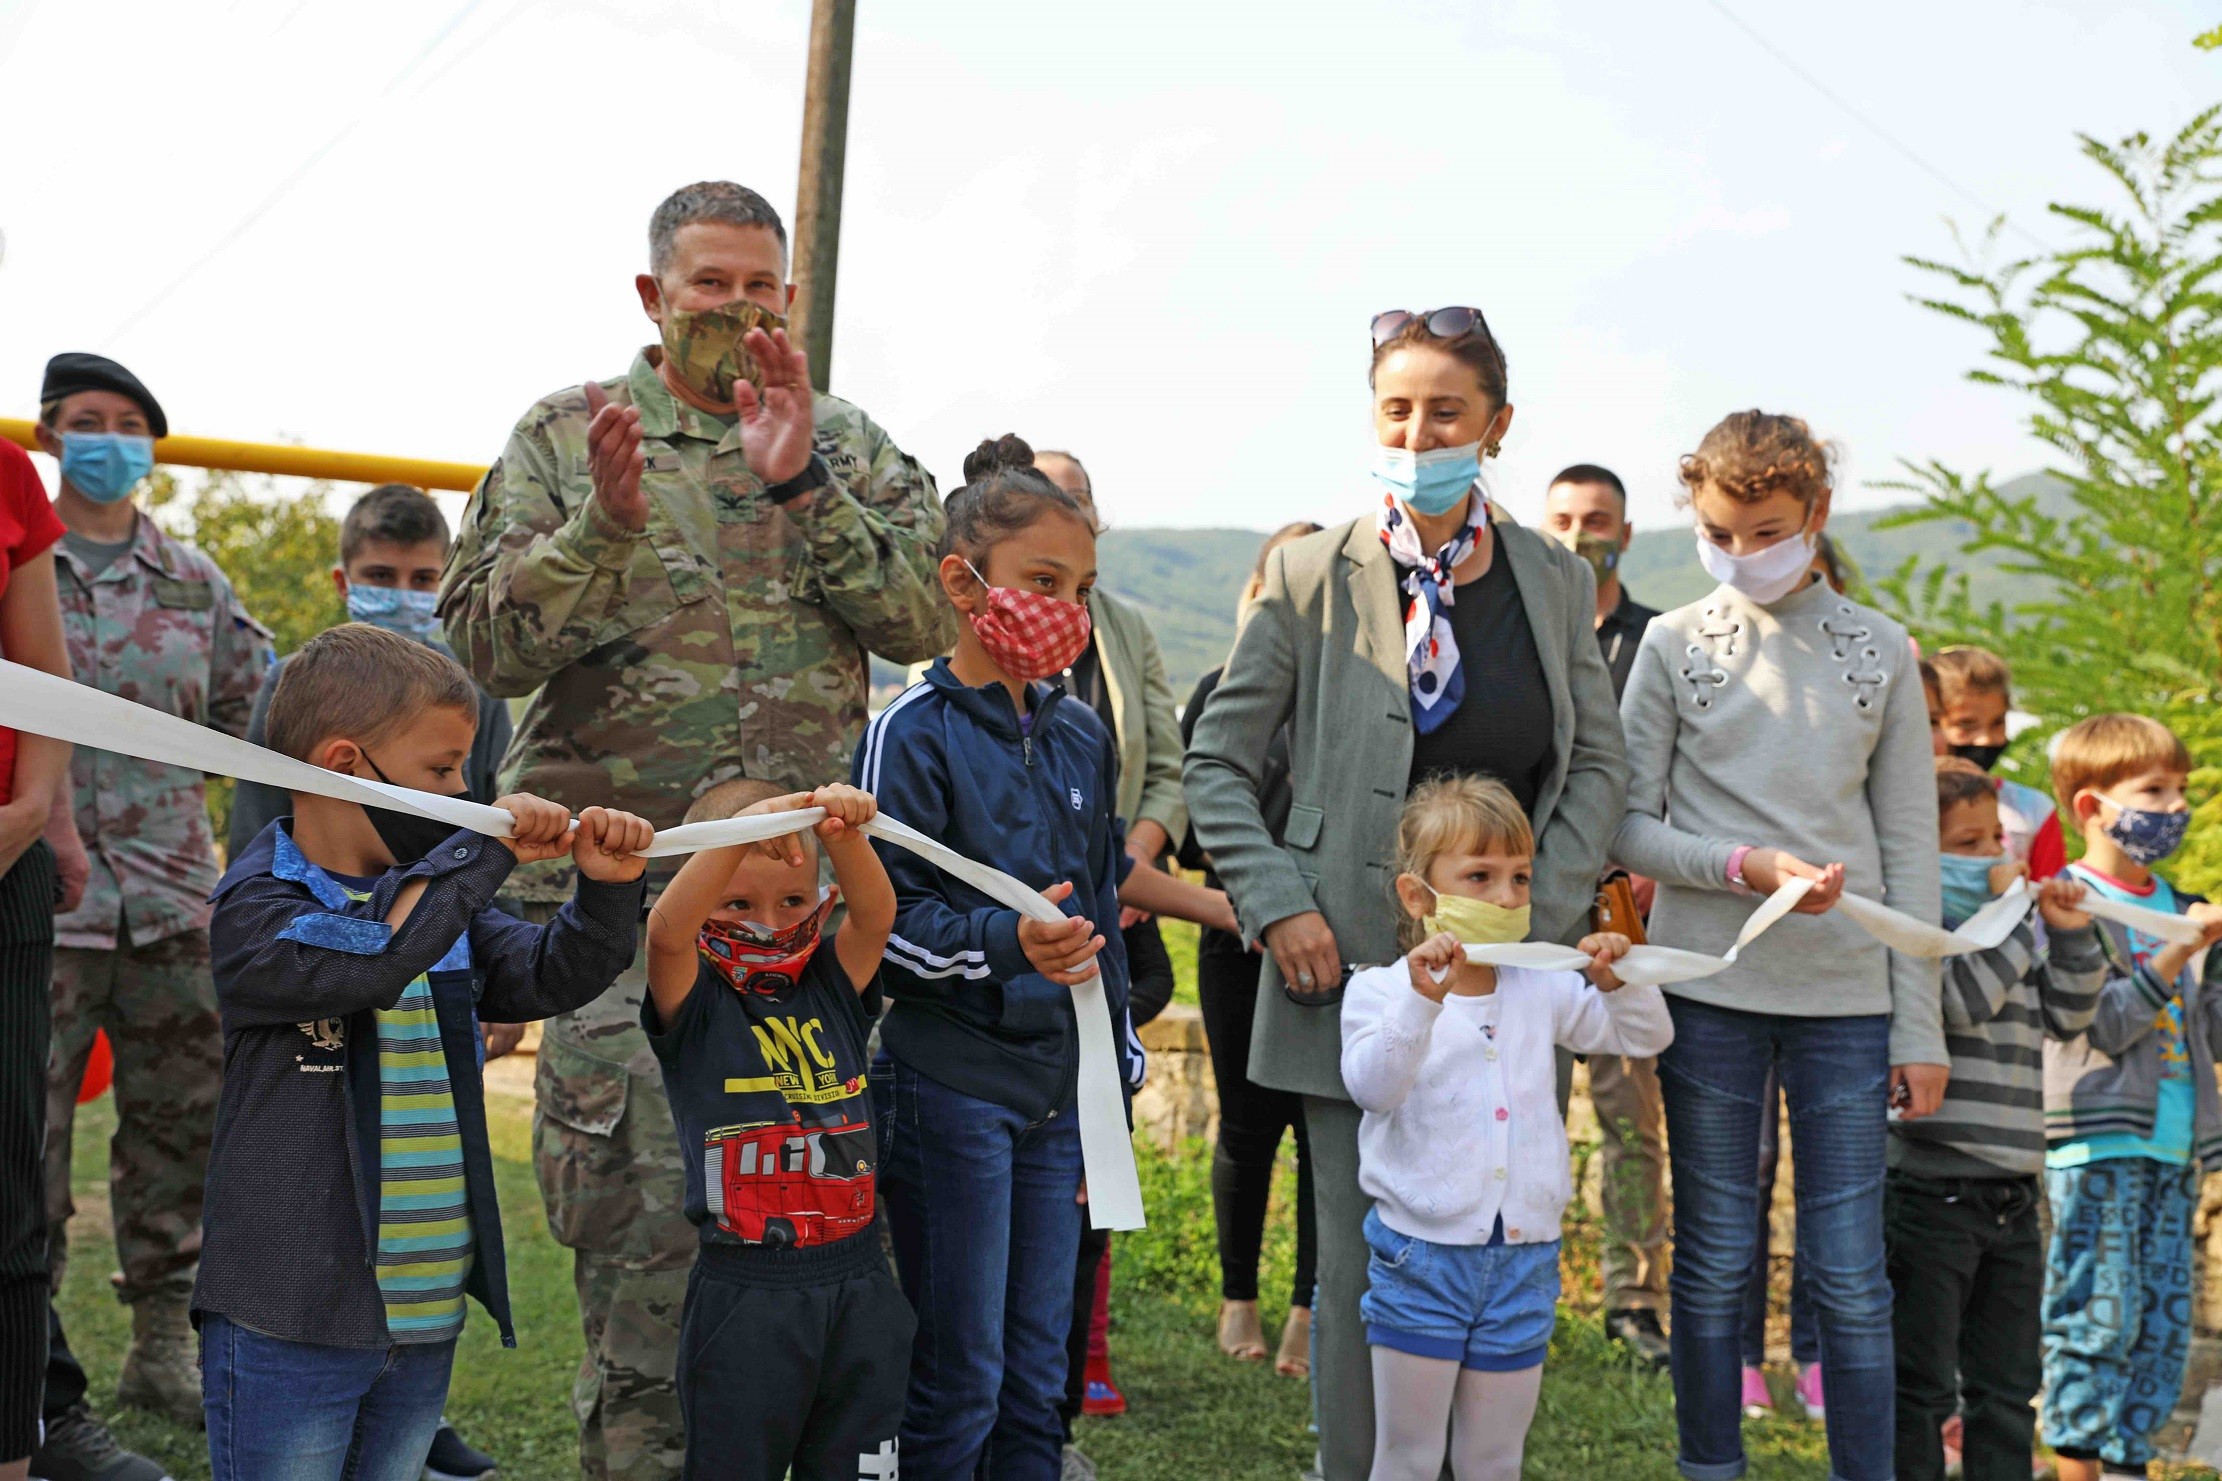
<point x="1657" y="966"/>
<point x="43" y="704"/>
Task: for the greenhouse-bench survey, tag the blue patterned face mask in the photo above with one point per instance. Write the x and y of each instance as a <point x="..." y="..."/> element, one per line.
<point x="1967" y="883"/>
<point x="2145" y="835"/>
<point x="409" y="613"/>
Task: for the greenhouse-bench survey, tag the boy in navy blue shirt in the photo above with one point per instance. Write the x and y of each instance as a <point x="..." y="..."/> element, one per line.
<point x="351" y="1202"/>
<point x="794" y="1342"/>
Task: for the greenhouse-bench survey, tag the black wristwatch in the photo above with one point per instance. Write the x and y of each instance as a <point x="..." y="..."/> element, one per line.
<point x="815" y="475"/>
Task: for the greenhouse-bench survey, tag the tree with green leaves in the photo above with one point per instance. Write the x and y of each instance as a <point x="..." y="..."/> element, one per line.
<point x="2113" y="342"/>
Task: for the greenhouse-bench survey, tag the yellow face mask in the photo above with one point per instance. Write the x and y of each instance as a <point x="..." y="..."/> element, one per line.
<point x="1476" y="922"/>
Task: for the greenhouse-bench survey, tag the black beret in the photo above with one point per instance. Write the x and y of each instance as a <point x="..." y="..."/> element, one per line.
<point x="74" y="371"/>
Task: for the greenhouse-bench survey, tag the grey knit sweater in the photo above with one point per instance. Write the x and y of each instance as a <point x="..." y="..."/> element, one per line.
<point x="1799" y="726"/>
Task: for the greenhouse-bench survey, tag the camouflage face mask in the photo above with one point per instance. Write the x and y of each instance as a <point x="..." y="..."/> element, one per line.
<point x="703" y="347"/>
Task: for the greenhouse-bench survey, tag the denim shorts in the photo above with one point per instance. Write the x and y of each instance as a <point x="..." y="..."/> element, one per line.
<point x="1489" y="1307"/>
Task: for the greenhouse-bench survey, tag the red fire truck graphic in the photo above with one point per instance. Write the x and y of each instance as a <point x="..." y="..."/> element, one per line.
<point x="785" y="1185"/>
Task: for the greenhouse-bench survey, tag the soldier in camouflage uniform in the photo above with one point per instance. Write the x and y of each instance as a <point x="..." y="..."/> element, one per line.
<point x="151" y="619"/>
<point x="687" y="588"/>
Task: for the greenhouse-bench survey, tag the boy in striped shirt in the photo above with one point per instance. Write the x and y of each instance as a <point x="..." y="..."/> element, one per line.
<point x="351" y="1195"/>
<point x="1960" y="1207"/>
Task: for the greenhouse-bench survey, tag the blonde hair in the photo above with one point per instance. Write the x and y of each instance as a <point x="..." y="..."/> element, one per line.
<point x="1754" y="455"/>
<point x="360" y="683"/>
<point x="2106" y="749"/>
<point x="1455" y="814"/>
<point x="728" y="798"/>
<point x="1962" y="669"/>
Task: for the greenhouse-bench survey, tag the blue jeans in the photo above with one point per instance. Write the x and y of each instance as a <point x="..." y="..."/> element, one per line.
<point x="300" y="1411"/>
<point x="981" y="1205"/>
<point x="1805" y="1343"/>
<point x="2117" y="1313"/>
<point x="1835" y="1073"/>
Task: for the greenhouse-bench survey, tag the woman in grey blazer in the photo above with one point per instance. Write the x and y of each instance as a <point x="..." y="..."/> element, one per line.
<point x="1505" y="677"/>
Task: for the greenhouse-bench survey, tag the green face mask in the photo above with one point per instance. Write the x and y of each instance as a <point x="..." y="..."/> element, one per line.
<point x="1602" y="554"/>
<point x="1476" y="922"/>
<point x="703" y="347"/>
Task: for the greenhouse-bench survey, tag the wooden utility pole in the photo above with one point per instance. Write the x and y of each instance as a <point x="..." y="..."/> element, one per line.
<point x="825" y="142"/>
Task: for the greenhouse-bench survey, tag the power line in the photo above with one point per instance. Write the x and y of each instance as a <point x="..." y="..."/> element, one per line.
<point x="285" y="187"/>
<point x="1845" y="105"/>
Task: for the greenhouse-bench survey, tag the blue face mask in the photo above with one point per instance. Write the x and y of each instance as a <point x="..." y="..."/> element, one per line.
<point x="105" y="466"/>
<point x="2145" y="835"/>
<point x="1431" y="482"/>
<point x="409" y="613"/>
<point x="1967" y="884"/>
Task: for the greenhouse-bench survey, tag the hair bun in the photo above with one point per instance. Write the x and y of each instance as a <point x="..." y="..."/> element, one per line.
<point x="1008" y="451"/>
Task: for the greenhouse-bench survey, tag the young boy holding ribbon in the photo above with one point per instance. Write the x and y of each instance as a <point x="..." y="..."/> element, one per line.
<point x="351" y="1201"/>
<point x="1960" y="1206"/>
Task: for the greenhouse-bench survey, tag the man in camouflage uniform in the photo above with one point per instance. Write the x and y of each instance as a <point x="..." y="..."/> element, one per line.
<point x="685" y="568"/>
<point x="151" y="619"/>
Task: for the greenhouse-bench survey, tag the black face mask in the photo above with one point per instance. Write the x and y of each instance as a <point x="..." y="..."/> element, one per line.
<point x="1983" y="756"/>
<point x="406" y="836"/>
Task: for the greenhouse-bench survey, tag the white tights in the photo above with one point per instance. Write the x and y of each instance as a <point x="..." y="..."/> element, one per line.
<point x="1418" y="1401"/>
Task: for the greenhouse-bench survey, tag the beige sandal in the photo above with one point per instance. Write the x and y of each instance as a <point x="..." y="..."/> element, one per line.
<point x="1295" y="1359"/>
<point x="1241" y="1335"/>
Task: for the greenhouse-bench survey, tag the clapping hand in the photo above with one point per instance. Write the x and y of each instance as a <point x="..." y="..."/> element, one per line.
<point x="779" y="423"/>
<point x="614" y="459"/>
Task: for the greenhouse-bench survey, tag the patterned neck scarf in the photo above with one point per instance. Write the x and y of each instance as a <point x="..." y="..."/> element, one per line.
<point x="1437" y="681"/>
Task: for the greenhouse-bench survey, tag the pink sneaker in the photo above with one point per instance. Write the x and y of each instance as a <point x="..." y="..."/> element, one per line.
<point x="1759" y="1401"/>
<point x="1809" y="1391"/>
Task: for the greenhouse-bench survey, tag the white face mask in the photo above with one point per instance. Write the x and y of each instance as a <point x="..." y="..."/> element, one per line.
<point x="1765" y="575"/>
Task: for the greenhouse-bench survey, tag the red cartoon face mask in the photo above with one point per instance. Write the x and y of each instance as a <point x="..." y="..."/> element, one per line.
<point x="756" y="958"/>
<point x="1029" y="635"/>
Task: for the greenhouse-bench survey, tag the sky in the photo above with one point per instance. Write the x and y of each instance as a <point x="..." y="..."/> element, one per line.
<point x="1153" y="233"/>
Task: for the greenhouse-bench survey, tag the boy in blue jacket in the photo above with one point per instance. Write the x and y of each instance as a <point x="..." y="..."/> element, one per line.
<point x="351" y="1201"/>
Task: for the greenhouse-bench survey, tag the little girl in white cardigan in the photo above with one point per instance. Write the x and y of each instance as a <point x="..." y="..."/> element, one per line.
<point x="1461" y="1146"/>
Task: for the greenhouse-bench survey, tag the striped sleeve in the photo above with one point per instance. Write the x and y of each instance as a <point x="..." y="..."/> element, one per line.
<point x="1976" y="984"/>
<point x="2069" y="981"/>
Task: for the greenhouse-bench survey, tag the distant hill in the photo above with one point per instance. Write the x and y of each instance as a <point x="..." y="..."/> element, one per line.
<point x="1661" y="568"/>
<point x="1188" y="581"/>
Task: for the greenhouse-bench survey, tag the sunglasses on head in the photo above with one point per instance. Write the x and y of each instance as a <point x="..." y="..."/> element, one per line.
<point x="1450" y="323"/>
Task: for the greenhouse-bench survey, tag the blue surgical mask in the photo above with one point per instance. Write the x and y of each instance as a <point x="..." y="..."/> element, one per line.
<point x="105" y="466"/>
<point x="1431" y="482"/>
<point x="1967" y="884"/>
<point x="2145" y="835"/>
<point x="409" y="613"/>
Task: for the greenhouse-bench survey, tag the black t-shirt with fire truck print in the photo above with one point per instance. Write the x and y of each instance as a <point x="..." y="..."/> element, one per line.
<point x="774" y="1110"/>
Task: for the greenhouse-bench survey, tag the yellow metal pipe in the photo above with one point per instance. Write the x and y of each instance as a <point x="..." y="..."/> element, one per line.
<point x="294" y="462"/>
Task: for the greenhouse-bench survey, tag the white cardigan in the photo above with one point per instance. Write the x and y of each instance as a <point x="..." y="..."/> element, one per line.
<point x="1461" y="1097"/>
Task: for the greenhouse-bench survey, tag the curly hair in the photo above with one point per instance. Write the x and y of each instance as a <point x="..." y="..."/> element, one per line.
<point x="1754" y="455"/>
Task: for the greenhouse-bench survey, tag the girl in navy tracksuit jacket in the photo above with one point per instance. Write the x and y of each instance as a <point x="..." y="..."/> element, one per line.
<point x="980" y="1141"/>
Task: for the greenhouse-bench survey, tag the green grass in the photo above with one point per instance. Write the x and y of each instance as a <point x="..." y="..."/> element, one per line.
<point x="1194" y="1413"/>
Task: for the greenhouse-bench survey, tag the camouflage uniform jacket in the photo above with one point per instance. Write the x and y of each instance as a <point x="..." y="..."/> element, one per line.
<point x="726" y="639"/>
<point x="162" y="627"/>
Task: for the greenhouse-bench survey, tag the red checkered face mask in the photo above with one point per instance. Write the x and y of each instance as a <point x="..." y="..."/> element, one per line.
<point x="1030" y="636"/>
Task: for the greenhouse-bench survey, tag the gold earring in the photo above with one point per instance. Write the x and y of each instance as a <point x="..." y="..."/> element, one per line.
<point x="1492" y="449"/>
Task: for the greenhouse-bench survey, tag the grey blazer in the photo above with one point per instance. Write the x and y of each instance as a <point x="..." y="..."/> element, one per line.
<point x="1323" y="652"/>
